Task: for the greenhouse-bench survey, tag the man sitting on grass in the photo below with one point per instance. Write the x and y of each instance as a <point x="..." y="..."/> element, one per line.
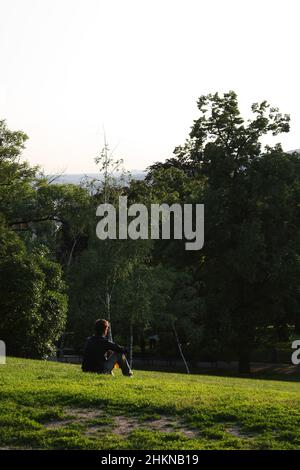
<point x="97" y="357"/>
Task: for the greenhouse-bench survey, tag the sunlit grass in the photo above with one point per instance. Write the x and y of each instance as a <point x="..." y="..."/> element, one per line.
<point x="207" y="412"/>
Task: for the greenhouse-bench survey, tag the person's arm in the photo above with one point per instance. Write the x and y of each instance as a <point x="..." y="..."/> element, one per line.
<point x="115" y="347"/>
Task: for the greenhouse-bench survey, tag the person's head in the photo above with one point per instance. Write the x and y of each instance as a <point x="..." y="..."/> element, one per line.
<point x="101" y="327"/>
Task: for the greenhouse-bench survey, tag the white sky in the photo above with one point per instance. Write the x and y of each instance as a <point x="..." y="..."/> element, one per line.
<point x="68" y="67"/>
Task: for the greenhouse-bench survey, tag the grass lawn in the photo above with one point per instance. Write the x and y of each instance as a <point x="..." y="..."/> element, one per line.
<point x="48" y="405"/>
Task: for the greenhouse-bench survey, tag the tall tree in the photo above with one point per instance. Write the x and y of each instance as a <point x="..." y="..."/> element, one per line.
<point x="249" y="267"/>
<point x="242" y="270"/>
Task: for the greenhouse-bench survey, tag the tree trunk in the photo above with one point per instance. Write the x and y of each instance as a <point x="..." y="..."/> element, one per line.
<point x="131" y="344"/>
<point x="180" y="350"/>
<point x="71" y="252"/>
<point x="244" y="362"/>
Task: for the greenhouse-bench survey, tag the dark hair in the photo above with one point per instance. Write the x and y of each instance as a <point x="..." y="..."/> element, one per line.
<point x="100" y="326"/>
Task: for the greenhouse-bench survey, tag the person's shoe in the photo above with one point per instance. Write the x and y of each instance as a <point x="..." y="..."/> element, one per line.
<point x="129" y="375"/>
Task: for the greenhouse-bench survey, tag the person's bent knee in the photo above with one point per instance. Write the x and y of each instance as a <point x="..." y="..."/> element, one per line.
<point x="121" y="355"/>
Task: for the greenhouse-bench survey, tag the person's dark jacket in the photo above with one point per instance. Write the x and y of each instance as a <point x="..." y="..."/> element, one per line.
<point x="94" y="353"/>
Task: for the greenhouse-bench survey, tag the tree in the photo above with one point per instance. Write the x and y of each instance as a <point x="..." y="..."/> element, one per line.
<point x="32" y="299"/>
<point x="32" y="292"/>
<point x="52" y="309"/>
<point x="134" y="301"/>
<point x="251" y="222"/>
<point x="16" y="176"/>
<point x="247" y="244"/>
<point x="114" y="260"/>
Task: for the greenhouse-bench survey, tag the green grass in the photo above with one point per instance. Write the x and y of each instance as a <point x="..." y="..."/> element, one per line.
<point x="48" y="405"/>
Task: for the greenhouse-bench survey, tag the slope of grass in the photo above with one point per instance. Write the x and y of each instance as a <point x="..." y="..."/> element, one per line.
<point x="48" y="405"/>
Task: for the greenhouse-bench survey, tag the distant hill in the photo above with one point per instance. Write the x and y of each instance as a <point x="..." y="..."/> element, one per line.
<point x="76" y="178"/>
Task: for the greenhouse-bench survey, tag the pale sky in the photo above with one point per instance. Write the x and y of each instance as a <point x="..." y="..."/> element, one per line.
<point x="68" y="67"/>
